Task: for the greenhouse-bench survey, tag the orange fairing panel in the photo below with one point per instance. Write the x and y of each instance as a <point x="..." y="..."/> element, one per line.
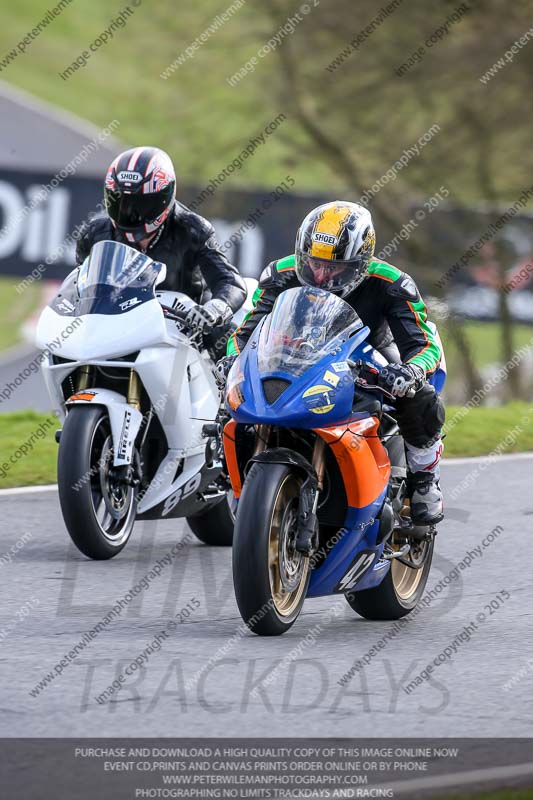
<point x="88" y="396"/>
<point x="230" y="454"/>
<point x="362" y="459"/>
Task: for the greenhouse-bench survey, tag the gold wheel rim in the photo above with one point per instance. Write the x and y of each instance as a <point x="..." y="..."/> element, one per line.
<point x="406" y="579"/>
<point x="285" y="602"/>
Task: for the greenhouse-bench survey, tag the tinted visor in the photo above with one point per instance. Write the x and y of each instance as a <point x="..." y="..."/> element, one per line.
<point x="134" y="210"/>
<point x="333" y="276"/>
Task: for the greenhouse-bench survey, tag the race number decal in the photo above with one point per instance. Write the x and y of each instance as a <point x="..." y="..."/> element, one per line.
<point x="181" y="493"/>
<point x="356" y="571"/>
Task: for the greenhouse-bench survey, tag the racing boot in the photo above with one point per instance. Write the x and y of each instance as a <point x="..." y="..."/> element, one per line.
<point x="424" y="492"/>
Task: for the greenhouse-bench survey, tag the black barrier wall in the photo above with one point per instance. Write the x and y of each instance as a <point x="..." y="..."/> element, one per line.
<point x="40" y="216"/>
<point x="465" y="256"/>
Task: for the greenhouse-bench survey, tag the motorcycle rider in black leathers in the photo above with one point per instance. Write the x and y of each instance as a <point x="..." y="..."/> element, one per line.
<point x="140" y="200"/>
<point x="335" y="251"/>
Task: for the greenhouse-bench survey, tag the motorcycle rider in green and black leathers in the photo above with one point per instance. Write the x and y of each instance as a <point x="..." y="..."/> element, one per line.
<point x="335" y="251"/>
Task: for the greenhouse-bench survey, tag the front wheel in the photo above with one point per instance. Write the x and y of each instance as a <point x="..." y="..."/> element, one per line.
<point x="401" y="588"/>
<point x="270" y="577"/>
<point x="99" y="510"/>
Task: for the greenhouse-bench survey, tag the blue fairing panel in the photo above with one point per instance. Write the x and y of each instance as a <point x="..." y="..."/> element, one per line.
<point x="361" y="529"/>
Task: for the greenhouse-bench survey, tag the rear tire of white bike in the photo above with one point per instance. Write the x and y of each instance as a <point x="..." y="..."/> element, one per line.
<point x="215" y="526"/>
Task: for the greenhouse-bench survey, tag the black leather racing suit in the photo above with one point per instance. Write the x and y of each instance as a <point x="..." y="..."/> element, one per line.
<point x="186" y="244"/>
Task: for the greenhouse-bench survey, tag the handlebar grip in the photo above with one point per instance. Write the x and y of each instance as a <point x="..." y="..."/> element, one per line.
<point x="174" y="313"/>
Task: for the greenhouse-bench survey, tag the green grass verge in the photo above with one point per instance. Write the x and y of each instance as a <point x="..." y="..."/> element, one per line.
<point x="15" y="309"/>
<point x="35" y="434"/>
<point x="483" y="429"/>
<point x="484" y="339"/>
<point x="478" y="433"/>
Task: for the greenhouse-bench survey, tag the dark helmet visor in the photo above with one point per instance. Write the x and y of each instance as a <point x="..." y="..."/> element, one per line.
<point x="132" y="210"/>
<point x="333" y="276"/>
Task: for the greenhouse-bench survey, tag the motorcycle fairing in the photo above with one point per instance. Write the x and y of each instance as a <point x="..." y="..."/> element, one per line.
<point x="124" y="419"/>
<point x="324" y="392"/>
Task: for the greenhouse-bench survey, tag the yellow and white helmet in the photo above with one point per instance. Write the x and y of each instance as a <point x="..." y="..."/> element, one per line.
<point x="334" y="246"/>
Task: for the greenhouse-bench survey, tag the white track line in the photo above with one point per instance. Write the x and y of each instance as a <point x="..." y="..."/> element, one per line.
<point x="451" y="461"/>
<point x="482" y="459"/>
<point x="51" y="487"/>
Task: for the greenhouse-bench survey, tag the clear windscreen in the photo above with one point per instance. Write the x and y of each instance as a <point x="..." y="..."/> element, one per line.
<point x="112" y="264"/>
<point x="305" y="324"/>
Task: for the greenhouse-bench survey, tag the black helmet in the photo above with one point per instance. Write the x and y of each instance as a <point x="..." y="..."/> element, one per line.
<point x="334" y="246"/>
<point x="139" y="191"/>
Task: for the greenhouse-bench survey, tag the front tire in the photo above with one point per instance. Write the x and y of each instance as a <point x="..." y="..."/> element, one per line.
<point x="269" y="576"/>
<point x="399" y="591"/>
<point x="99" y="512"/>
<point x="215" y="526"/>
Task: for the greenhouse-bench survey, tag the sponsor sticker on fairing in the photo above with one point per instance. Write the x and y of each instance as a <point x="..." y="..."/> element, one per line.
<point x="341" y="366"/>
<point x="331" y="378"/>
<point x="133" y="301"/>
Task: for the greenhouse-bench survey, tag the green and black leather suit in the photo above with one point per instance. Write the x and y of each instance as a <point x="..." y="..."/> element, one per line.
<point x="389" y="303"/>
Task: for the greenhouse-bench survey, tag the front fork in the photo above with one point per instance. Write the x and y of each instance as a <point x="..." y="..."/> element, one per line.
<point x="309" y="492"/>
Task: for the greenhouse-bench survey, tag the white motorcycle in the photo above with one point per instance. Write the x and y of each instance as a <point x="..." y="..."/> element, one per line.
<point x="135" y="390"/>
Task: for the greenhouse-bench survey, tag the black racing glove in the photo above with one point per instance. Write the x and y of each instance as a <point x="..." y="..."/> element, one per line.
<point x="401" y="380"/>
<point x="210" y="315"/>
<point x="222" y="368"/>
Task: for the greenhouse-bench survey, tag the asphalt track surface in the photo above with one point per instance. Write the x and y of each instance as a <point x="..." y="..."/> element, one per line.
<point x="50" y="595"/>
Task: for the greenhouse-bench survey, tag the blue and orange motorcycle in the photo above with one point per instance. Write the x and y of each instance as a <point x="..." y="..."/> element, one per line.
<point x="312" y="446"/>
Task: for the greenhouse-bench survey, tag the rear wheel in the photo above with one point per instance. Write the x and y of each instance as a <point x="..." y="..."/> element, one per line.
<point x="400" y="590"/>
<point x="98" y="508"/>
<point x="215" y="526"/>
<point x="269" y="575"/>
